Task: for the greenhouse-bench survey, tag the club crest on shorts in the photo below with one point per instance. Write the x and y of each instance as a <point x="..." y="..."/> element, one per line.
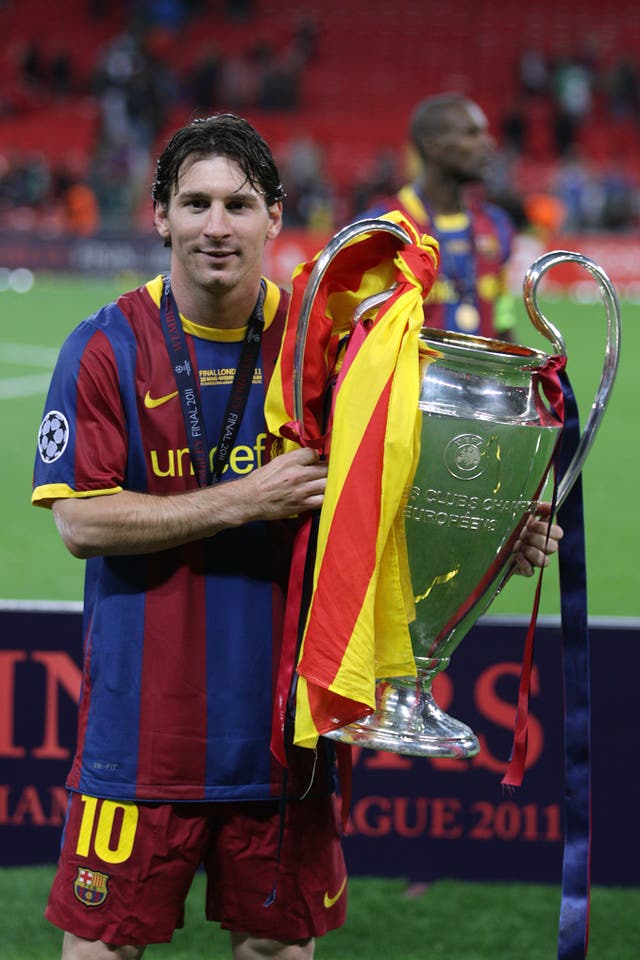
<point x="90" y="887"/>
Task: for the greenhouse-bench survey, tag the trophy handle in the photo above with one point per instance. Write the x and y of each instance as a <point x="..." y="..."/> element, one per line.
<point x="612" y="352"/>
<point x="337" y="242"/>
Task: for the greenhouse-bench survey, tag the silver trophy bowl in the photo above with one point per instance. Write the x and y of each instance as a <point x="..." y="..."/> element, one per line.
<point x="487" y="443"/>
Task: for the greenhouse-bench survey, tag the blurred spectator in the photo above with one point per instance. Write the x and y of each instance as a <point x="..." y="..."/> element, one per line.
<point x="500" y="187"/>
<point x="204" y="81"/>
<point x="533" y="72"/>
<point x="305" y="39"/>
<point x="620" y="199"/>
<point x="61" y="73"/>
<point x="82" y="215"/>
<point x="572" y="82"/>
<point x="238" y="9"/>
<point x="545" y="213"/>
<point x="32" y="66"/>
<point x="564" y="131"/>
<point x="309" y="196"/>
<point x="239" y="81"/>
<point x="578" y="189"/>
<point x="25" y="180"/>
<point x="572" y="88"/>
<point x="622" y="89"/>
<point x="135" y="89"/>
<point x="171" y="14"/>
<point x="44" y="75"/>
<point x="150" y="93"/>
<point x="277" y="76"/>
<point x="514" y="127"/>
<point x="380" y="181"/>
<point x="33" y="195"/>
<point x="118" y="176"/>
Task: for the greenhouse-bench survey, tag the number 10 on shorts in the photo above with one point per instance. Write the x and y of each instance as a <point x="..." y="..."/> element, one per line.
<point x="112" y="824"/>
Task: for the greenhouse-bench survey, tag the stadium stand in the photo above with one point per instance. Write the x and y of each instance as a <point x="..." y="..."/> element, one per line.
<point x="556" y="80"/>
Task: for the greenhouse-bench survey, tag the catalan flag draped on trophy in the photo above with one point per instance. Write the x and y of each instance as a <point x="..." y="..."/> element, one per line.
<point x="360" y="385"/>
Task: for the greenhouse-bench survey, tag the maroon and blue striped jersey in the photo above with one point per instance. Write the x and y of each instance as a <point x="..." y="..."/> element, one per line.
<point x="180" y="646"/>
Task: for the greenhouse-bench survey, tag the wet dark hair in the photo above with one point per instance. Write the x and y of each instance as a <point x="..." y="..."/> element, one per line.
<point x="430" y="117"/>
<point x="222" y="135"/>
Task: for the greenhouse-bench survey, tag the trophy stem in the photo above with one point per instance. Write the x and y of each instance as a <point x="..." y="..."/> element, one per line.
<point x="407" y="720"/>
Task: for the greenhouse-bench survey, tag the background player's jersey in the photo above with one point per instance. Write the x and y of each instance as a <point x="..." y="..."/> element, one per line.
<point x="176" y="698"/>
<point x="474" y="250"/>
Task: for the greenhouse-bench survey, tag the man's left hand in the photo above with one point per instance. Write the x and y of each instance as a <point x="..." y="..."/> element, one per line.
<point x="538" y="541"/>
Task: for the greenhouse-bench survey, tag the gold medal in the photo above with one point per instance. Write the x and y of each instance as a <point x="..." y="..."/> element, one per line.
<point x="467" y="317"/>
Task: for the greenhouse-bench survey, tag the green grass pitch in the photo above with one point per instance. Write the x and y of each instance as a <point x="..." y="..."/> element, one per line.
<point x="480" y="921"/>
<point x="449" y="921"/>
<point x="34" y="564"/>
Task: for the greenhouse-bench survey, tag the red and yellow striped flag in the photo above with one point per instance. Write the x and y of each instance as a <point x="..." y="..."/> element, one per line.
<point x="361" y="602"/>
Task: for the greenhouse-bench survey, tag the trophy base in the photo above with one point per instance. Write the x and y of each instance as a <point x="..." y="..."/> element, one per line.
<point x="409" y="721"/>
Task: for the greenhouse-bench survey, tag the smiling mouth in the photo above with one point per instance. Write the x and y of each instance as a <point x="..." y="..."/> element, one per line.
<point x="218" y="254"/>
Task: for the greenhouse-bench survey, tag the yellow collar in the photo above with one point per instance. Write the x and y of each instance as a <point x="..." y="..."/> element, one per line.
<point x="235" y="334"/>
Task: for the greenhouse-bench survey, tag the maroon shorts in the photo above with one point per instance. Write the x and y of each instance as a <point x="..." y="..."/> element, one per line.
<point x="125" y="869"/>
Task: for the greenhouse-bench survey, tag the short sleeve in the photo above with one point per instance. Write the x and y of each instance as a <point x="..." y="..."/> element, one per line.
<point x="82" y="439"/>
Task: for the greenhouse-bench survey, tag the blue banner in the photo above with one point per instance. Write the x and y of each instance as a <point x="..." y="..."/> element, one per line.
<point x="413" y="818"/>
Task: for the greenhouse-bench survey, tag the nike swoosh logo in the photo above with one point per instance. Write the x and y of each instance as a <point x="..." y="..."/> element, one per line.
<point x="329" y="901"/>
<point x="152" y="402"/>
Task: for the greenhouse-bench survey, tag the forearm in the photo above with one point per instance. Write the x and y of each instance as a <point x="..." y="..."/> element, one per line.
<point x="134" y="523"/>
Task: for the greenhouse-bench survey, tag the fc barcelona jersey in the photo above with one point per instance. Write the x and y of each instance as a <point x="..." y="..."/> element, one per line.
<point x="180" y="645"/>
<point x="470" y="294"/>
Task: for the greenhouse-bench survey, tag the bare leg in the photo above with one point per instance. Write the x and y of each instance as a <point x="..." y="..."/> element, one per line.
<point x="246" y="947"/>
<point x="76" y="948"/>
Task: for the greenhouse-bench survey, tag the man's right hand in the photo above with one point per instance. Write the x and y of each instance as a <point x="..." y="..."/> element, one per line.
<point x="127" y="522"/>
<point x="289" y="484"/>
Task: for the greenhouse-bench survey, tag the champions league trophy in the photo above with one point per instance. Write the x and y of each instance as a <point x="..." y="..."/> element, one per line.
<point x="487" y="443"/>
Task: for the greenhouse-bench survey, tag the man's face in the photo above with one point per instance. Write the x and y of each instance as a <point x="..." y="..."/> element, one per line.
<point x="464" y="147"/>
<point x="218" y="225"/>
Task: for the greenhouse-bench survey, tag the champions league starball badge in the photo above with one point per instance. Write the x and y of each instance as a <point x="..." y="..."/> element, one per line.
<point x="53" y="436"/>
